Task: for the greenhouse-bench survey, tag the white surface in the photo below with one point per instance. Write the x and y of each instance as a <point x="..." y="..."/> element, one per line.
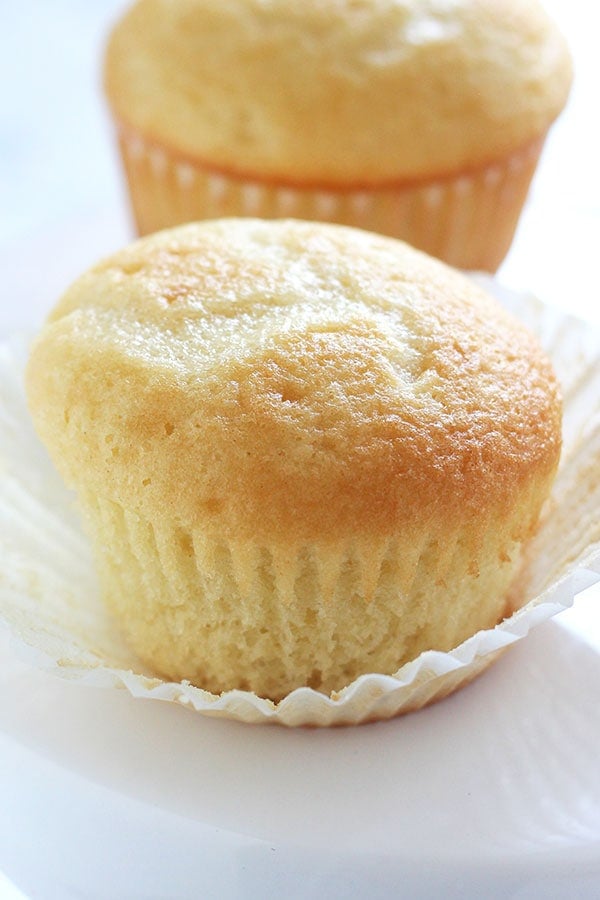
<point x="8" y="891"/>
<point x="494" y="793"/>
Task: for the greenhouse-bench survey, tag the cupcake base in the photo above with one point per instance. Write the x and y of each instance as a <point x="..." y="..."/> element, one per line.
<point x="466" y="220"/>
<point x="229" y="615"/>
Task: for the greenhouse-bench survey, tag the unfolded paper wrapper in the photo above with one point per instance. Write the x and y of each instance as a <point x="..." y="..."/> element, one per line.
<point x="49" y="596"/>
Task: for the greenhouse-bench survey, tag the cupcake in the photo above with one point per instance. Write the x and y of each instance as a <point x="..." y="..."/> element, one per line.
<point x="423" y="121"/>
<point x="304" y="452"/>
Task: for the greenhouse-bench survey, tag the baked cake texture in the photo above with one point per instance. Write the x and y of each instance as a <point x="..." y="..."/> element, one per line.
<point x="423" y="120"/>
<point x="303" y="452"/>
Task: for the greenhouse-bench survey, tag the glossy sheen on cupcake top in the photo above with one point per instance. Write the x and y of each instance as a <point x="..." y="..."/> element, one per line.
<point x="292" y="378"/>
<point x="338" y="91"/>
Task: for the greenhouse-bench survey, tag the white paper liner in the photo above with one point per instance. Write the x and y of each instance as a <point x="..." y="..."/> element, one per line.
<point x="468" y="219"/>
<point x="49" y="596"/>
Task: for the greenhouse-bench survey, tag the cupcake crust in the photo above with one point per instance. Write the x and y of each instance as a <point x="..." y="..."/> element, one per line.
<point x="327" y="92"/>
<point x="260" y="379"/>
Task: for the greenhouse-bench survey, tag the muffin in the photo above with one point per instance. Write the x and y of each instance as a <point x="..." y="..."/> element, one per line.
<point x="423" y="121"/>
<point x="303" y="452"/>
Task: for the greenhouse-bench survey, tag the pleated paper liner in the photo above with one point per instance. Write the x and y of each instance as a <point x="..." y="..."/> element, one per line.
<point x="468" y="219"/>
<point x="49" y="596"/>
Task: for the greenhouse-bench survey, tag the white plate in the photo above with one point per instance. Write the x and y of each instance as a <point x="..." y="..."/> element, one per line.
<point x="494" y="792"/>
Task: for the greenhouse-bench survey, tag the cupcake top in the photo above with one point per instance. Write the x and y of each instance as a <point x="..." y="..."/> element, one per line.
<point x="293" y="378"/>
<point x="338" y="91"/>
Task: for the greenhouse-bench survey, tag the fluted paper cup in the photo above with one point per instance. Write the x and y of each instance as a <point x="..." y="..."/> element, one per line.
<point x="468" y="219"/>
<point x="50" y="601"/>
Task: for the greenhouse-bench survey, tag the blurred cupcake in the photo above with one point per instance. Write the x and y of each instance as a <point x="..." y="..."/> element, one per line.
<point x="304" y="452"/>
<point x="421" y="120"/>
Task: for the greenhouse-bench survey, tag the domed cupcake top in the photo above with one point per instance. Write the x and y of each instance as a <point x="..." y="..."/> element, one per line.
<point x="338" y="91"/>
<point x="291" y="377"/>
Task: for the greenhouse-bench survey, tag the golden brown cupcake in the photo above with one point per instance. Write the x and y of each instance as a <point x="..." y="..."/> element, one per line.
<point x="304" y="452"/>
<point x="421" y="120"/>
